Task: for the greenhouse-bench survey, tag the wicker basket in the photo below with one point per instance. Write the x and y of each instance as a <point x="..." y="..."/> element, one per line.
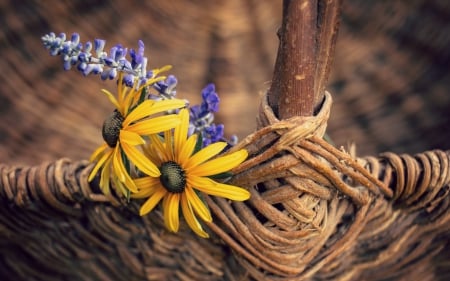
<point x="316" y="212"/>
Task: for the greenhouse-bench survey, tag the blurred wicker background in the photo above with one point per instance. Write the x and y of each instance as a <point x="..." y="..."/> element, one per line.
<point x="390" y="79"/>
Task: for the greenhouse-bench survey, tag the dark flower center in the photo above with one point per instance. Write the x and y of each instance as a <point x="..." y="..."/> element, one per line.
<point x="111" y="128"/>
<point x="173" y="177"/>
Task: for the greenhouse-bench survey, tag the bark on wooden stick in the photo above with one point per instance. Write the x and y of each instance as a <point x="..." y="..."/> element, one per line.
<point x="307" y="39"/>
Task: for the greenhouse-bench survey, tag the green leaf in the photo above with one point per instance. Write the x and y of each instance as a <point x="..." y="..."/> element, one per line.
<point x="126" y="162"/>
<point x="128" y="195"/>
<point x="221" y="176"/>
<point x="143" y="95"/>
<point x="198" y="144"/>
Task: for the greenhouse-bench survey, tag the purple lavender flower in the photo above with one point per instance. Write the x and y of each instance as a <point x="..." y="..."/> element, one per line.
<point x="100" y="62"/>
<point x="167" y="88"/>
<point x="70" y="49"/>
<point x="213" y="133"/>
<point x="137" y="57"/>
<point x="210" y="99"/>
<point x="202" y="117"/>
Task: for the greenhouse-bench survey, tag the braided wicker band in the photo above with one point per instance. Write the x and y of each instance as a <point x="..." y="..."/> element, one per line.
<point x="316" y="211"/>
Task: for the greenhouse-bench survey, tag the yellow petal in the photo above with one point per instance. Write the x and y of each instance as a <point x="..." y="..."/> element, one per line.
<point x="146" y="182"/>
<point x="170" y="206"/>
<point x="153" y="154"/>
<point x="140" y="161"/>
<point x="186" y="151"/>
<point x="147" y="192"/>
<point x="151" y="202"/>
<point x="119" y="187"/>
<point x="191" y="219"/>
<point x="211" y="187"/>
<point x="120" y="172"/>
<point x="152" y="81"/>
<point x="156" y="71"/>
<point x="198" y="205"/>
<point x="205" y="154"/>
<point x="156" y="141"/>
<point x="128" y="101"/>
<point x="168" y="140"/>
<point x="150" y="107"/>
<point x="155" y="125"/>
<point x="157" y="149"/>
<point x="105" y="177"/>
<point x="220" y="164"/>
<point x="130" y="138"/>
<point x="100" y="163"/>
<point x="144" y="193"/>
<point x="97" y="152"/>
<point x="118" y="165"/>
<point x="113" y="100"/>
<point x="165" y="105"/>
<point x="140" y="112"/>
<point x="180" y="132"/>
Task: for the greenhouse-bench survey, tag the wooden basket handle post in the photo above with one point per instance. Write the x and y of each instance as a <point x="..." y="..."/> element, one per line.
<point x="307" y="39"/>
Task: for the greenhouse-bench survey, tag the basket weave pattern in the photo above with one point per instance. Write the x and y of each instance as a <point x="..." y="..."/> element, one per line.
<point x="55" y="226"/>
<point x="316" y="212"/>
<point x="319" y="212"/>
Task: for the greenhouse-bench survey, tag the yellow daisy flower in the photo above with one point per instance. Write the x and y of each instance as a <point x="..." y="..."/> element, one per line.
<point x="183" y="173"/>
<point x="122" y="132"/>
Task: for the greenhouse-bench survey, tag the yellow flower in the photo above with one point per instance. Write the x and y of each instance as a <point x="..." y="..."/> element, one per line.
<point x="122" y="132"/>
<point x="183" y="173"/>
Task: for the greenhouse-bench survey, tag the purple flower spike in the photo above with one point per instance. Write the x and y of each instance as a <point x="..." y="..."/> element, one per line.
<point x="210" y="98"/>
<point x="75" y="38"/>
<point x="167" y="88"/>
<point x="201" y="118"/>
<point x="99" y="61"/>
<point x="137" y="57"/>
<point x="99" y="44"/>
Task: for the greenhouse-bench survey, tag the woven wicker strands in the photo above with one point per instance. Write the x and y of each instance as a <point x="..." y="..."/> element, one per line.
<point x="54" y="226"/>
<point x="316" y="213"/>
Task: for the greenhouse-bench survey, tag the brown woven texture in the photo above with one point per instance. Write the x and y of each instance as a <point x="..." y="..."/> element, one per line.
<point x="316" y="212"/>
